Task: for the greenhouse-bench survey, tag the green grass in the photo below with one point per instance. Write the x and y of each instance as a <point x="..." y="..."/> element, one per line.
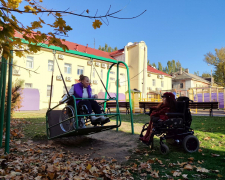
<point x="209" y="130"/>
<point x="211" y="134"/>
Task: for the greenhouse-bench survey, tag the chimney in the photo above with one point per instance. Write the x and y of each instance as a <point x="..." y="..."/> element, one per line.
<point x="180" y="70"/>
<point x="187" y="70"/>
<point x="86" y="48"/>
<point x="77" y="47"/>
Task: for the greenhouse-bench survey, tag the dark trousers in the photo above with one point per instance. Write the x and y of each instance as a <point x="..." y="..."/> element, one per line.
<point x="91" y="105"/>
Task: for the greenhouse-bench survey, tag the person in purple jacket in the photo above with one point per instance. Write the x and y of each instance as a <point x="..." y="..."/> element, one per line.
<point x="83" y="90"/>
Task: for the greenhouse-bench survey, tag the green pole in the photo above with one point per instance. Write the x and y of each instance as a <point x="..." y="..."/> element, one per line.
<point x="1" y="79"/>
<point x="8" y="113"/>
<point x="107" y="83"/>
<point x="131" y="113"/>
<point x="4" y="70"/>
<point x="117" y="95"/>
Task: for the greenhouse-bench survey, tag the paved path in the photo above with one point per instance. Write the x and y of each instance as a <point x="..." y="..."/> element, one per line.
<point x="220" y="113"/>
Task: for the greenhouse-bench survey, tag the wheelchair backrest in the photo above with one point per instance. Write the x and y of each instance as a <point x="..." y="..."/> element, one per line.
<point x="182" y="106"/>
<point x="184" y="99"/>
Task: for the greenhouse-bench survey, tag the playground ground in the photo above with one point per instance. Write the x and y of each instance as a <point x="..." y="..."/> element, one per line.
<point x="125" y="149"/>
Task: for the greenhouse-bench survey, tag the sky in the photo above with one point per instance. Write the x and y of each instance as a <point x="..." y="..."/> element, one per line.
<point x="183" y="30"/>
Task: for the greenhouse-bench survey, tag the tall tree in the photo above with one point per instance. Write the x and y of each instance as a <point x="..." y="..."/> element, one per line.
<point x="173" y="65"/>
<point x="178" y="66"/>
<point x="160" y="67"/>
<point x="169" y="67"/>
<point x="218" y="61"/>
<point x="206" y="75"/>
<point x="154" y="65"/>
<point x="107" y="48"/>
<point x="196" y="73"/>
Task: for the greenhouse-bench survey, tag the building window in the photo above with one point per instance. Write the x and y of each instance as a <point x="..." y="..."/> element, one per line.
<point x="153" y="82"/>
<point x="172" y="85"/>
<point x="93" y="74"/>
<point x="50" y="65"/>
<point x="113" y="79"/>
<point x="49" y="90"/>
<point x="112" y="72"/>
<point x="64" y="89"/>
<point x="30" y="62"/>
<point x="80" y="70"/>
<point x="28" y="85"/>
<point x="101" y="73"/>
<point x="181" y="85"/>
<point x="68" y="68"/>
<point x="162" y="83"/>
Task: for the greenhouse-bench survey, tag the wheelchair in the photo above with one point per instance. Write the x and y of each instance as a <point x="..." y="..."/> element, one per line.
<point x="177" y="128"/>
<point x="67" y="118"/>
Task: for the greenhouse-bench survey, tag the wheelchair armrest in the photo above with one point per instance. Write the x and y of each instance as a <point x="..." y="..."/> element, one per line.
<point x="175" y="114"/>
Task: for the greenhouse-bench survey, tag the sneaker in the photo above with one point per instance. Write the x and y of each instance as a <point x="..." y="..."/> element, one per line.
<point x="103" y="118"/>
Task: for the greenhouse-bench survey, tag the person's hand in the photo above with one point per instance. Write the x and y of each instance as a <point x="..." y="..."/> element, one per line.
<point x="60" y="102"/>
<point x="96" y="96"/>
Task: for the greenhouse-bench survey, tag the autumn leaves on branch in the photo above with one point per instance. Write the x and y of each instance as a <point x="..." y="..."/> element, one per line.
<point x="9" y="24"/>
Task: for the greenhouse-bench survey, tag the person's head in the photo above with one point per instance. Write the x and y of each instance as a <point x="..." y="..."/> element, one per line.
<point x="169" y="99"/>
<point x="84" y="80"/>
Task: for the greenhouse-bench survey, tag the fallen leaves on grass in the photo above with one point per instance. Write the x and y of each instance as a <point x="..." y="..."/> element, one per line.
<point x="200" y="169"/>
<point x="188" y="167"/>
<point x="215" y="155"/>
<point x="207" y="138"/>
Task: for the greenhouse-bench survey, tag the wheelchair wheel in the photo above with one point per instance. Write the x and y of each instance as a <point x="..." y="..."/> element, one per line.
<point x="190" y="143"/>
<point x="66" y="113"/>
<point x="164" y="149"/>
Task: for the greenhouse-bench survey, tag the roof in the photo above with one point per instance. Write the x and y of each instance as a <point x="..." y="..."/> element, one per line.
<point x="151" y="69"/>
<point x="186" y="75"/>
<point x="116" y="53"/>
<point x="80" y="48"/>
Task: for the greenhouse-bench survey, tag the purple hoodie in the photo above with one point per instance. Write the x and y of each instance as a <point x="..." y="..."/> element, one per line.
<point x="78" y="91"/>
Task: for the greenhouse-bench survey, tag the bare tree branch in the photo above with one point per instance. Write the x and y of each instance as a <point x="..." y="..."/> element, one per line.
<point x="65" y="12"/>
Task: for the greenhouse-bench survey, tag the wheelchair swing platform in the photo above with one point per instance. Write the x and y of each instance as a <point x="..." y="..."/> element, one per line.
<point x="57" y="132"/>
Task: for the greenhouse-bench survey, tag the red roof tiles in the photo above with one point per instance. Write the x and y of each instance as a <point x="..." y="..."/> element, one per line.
<point x="80" y="48"/>
<point x="151" y="69"/>
<point x="118" y="52"/>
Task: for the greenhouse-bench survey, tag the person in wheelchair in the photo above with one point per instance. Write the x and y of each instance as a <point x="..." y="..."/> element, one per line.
<point x="83" y="90"/>
<point x="159" y="114"/>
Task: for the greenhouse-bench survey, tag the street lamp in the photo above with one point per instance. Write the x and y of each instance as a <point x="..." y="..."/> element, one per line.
<point x="211" y="75"/>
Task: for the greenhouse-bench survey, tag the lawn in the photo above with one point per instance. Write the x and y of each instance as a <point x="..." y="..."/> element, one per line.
<point x="210" y="159"/>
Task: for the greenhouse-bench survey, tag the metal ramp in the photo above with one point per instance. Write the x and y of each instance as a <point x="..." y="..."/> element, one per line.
<point x="54" y="130"/>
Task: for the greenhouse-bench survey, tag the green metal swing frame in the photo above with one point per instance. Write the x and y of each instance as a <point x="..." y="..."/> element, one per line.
<point x="91" y="130"/>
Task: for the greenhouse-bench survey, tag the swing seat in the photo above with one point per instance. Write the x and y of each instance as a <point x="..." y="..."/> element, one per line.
<point x="64" y="122"/>
<point x="56" y="131"/>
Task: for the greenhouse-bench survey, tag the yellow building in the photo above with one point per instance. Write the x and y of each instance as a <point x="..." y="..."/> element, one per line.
<point x="77" y="61"/>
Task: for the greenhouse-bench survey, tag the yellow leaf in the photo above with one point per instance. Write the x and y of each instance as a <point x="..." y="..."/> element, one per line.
<point x="58" y="14"/>
<point x="88" y="166"/>
<point x="51" y="175"/>
<point x="96" y="24"/>
<point x="219" y="175"/>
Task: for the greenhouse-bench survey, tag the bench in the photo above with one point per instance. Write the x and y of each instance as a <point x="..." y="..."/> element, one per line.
<point x="148" y="105"/>
<point x="121" y="105"/>
<point x="204" y="105"/>
<point x="192" y="105"/>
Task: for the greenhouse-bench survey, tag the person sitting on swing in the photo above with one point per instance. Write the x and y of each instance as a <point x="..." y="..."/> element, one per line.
<point x="83" y="90"/>
<point x="159" y="113"/>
